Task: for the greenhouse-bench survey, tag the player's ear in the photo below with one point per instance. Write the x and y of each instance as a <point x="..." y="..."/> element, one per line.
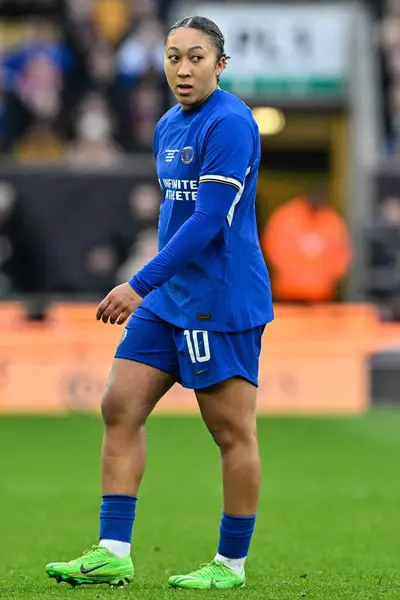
<point x="221" y="64"/>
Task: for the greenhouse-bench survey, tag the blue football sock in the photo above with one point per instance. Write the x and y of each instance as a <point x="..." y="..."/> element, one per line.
<point x="117" y="514"/>
<point x="235" y="535"/>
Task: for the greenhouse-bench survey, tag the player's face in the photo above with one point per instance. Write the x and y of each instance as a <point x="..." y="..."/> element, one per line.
<point x="191" y="67"/>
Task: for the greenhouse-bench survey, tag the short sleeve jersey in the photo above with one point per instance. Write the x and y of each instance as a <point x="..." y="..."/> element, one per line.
<point x="226" y="288"/>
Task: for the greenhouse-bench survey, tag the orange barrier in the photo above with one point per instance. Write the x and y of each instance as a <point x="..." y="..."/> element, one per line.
<point x="313" y="360"/>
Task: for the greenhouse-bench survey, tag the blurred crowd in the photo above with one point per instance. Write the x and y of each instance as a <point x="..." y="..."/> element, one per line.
<point x="84" y="86"/>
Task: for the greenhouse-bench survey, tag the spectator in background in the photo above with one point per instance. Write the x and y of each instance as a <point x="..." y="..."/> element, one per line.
<point x="101" y="65"/>
<point x="39" y="144"/>
<point x="145" y="248"/>
<point x="39" y="87"/>
<point x="101" y="263"/>
<point x="94" y="146"/>
<point x="142" y="51"/>
<point x="146" y="106"/>
<point x="144" y="204"/>
<point x="40" y="38"/>
<point x="112" y="19"/>
<point x="79" y="18"/>
<point x="22" y="260"/>
<point x="308" y="248"/>
<point x="37" y="65"/>
<point x="34" y="73"/>
<point x="134" y="243"/>
<point x="384" y="259"/>
<point x="141" y="235"/>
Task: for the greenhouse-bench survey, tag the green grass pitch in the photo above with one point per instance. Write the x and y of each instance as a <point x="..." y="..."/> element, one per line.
<point x="328" y="525"/>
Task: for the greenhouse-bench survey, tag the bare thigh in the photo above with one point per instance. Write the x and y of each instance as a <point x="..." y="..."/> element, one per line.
<point x="133" y="390"/>
<point x="229" y="410"/>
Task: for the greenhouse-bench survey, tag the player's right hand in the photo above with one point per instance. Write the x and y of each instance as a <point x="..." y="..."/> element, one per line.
<point x="118" y="305"/>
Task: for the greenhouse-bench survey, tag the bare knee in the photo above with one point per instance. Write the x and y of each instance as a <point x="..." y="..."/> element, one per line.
<point x="228" y="435"/>
<point x="222" y="436"/>
<point x="119" y="410"/>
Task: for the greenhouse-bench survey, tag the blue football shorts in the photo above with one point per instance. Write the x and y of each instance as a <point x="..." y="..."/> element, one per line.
<point x="196" y="358"/>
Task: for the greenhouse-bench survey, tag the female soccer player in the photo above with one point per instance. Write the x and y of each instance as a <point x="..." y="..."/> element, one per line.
<point x="199" y="311"/>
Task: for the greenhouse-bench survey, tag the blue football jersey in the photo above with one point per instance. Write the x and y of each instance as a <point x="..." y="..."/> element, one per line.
<point x="226" y="288"/>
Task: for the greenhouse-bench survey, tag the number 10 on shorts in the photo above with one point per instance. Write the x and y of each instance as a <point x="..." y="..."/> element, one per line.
<point x="193" y="343"/>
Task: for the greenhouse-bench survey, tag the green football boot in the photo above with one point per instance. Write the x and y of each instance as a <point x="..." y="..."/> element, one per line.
<point x="213" y="575"/>
<point x="97" y="565"/>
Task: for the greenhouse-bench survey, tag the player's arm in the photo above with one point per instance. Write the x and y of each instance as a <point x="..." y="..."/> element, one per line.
<point x="228" y="155"/>
<point x="212" y="207"/>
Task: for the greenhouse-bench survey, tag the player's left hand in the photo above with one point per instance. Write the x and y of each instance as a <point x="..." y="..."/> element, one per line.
<point x="118" y="304"/>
